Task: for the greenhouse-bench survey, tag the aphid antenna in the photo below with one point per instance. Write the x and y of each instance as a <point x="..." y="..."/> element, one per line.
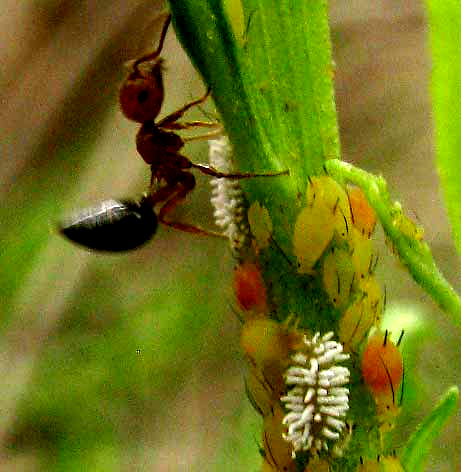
<point x="247" y="28"/>
<point x="153" y="55"/>
<point x="389" y="377"/>
<point x="402" y="387"/>
<point x="282" y="252"/>
<point x="339" y="282"/>
<point x="252" y="400"/>
<point x="385" y="338"/>
<point x="357" y="325"/>
<point x="385" y="298"/>
<point x="236" y="312"/>
<point x="268" y="451"/>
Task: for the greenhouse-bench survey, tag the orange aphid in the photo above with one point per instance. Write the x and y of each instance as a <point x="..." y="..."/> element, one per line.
<point x="382" y="365"/>
<point x="249" y="288"/>
<point x="363" y="216"/>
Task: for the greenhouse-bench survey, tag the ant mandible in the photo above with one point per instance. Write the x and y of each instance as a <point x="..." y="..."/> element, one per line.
<point x="141" y="98"/>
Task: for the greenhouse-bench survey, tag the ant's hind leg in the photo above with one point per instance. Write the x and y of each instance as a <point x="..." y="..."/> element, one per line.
<point x="170" y="119"/>
<point x="188" y="184"/>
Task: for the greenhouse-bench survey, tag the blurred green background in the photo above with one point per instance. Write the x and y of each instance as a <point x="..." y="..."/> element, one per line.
<point x="132" y="362"/>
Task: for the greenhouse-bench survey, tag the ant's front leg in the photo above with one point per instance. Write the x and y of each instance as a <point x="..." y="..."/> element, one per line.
<point x="209" y="170"/>
<point x="173" y="117"/>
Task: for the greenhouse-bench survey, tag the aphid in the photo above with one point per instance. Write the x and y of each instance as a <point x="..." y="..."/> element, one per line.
<point x="338" y="276"/>
<point x="113" y="225"/>
<point x="260" y="392"/>
<point x="380" y="464"/>
<point x="363" y="216"/>
<point x="277" y="451"/>
<point x="367" y="465"/>
<point x="382" y="372"/>
<point x="318" y="401"/>
<point x="362" y="254"/>
<point x="390" y="464"/>
<point x="406" y="226"/>
<point x="249" y="288"/>
<point x="141" y="93"/>
<point x="326" y="214"/>
<point x="260" y="224"/>
<point x="356" y="321"/>
<point x="382" y="364"/>
<point x="267" y="345"/>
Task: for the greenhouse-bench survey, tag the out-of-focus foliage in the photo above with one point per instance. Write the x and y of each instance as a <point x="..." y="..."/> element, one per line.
<point x="117" y="363"/>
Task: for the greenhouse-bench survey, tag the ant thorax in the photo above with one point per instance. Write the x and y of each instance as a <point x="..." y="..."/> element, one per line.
<point x="156" y="145"/>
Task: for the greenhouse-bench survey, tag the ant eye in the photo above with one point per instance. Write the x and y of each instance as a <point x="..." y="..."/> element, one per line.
<point x="112" y="226"/>
<point x="143" y="95"/>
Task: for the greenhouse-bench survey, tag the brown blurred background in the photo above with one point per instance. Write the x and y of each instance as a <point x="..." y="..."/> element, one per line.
<point x="61" y="65"/>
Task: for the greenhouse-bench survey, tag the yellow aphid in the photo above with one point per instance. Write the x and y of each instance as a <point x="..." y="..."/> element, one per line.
<point x="313" y="232"/>
<point x="368" y="465"/>
<point x="260" y="225"/>
<point x="338" y="276"/>
<point x="333" y="194"/>
<point x="361" y="254"/>
<point x="381" y="464"/>
<point x="374" y="297"/>
<point x="267" y="345"/>
<point x="387" y="411"/>
<point x="356" y="322"/>
<point x="390" y="464"/>
<point x="261" y="393"/>
<point x="277" y="451"/>
<point x="406" y="226"/>
<point x="264" y="341"/>
<point x="327" y="214"/>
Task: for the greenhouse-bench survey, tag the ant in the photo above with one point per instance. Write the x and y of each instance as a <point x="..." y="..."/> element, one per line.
<point x="141" y="96"/>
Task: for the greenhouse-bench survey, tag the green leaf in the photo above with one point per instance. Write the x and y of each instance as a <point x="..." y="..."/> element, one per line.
<point x="445" y="37"/>
<point x="417" y="449"/>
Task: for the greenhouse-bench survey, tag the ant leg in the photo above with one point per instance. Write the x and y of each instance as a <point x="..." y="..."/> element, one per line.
<point x="195" y="124"/>
<point x="188" y="183"/>
<point x="178" y="113"/>
<point x="208" y="170"/>
<point x="153" y="55"/>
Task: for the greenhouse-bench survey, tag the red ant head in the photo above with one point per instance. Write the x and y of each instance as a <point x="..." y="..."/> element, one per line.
<point x="141" y="94"/>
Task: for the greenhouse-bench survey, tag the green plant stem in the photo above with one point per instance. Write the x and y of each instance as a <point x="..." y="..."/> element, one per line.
<point x="414" y="254"/>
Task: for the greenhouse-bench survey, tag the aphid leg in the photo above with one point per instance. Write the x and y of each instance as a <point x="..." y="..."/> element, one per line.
<point x="153" y="55"/>
<point x="175" y="116"/>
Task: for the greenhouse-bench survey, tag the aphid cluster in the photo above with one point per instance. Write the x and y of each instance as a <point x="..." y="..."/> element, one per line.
<point x="158" y="143"/>
<point x="295" y="382"/>
<point x="332" y="237"/>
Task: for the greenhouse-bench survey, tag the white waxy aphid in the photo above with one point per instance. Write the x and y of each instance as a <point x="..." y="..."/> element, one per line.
<point x="230" y="207"/>
<point x="318" y="401"/>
